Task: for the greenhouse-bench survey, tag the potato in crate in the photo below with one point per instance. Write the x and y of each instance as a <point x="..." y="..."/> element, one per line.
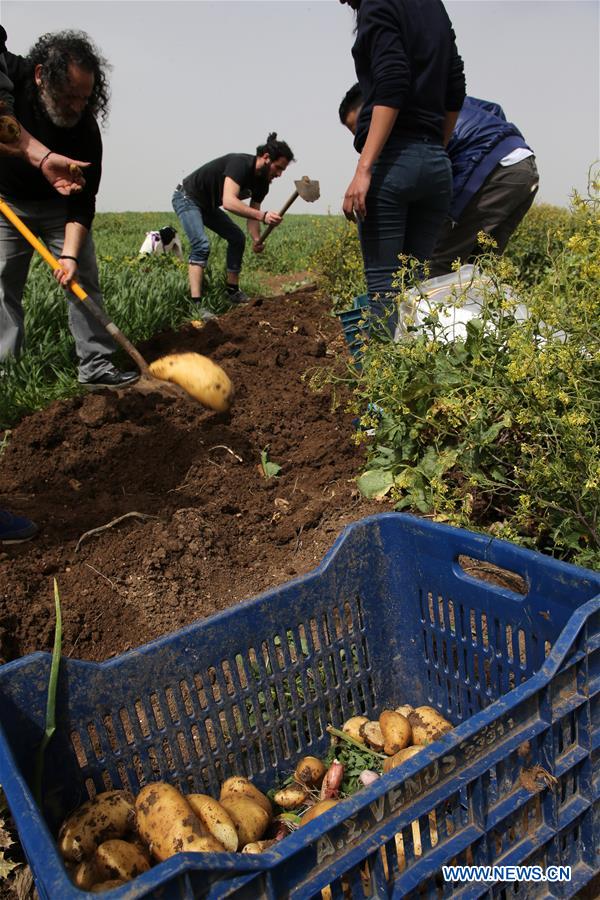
<point x="397" y="612"/>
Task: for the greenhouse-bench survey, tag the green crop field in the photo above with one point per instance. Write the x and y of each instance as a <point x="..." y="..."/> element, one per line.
<point x="142" y="294"/>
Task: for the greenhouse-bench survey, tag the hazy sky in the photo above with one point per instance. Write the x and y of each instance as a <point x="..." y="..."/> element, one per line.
<point x="193" y="79"/>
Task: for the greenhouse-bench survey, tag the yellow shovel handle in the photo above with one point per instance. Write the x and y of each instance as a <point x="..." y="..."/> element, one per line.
<point x="37" y="245"/>
<point x="75" y="288"/>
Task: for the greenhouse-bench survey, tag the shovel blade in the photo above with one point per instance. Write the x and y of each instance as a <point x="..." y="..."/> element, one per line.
<point x="307" y="189"/>
<point x="148" y="384"/>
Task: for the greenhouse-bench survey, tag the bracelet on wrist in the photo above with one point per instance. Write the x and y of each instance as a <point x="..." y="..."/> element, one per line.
<point x="264" y="218"/>
<point x="74" y="258"/>
<point x="43" y="160"/>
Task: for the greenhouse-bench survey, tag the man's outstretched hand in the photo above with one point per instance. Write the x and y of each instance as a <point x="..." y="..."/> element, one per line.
<point x="64" y="174"/>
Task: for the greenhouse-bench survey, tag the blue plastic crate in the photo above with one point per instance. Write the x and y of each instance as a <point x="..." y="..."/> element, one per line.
<point x="354" y="332"/>
<point x="391" y="615"/>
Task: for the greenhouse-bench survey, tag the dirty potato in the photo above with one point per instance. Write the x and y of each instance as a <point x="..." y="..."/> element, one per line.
<point x="250" y="820"/>
<point x="110" y="814"/>
<point x="428" y="725"/>
<point x="167" y="823"/>
<point x="373" y="735"/>
<point x="199" y="376"/>
<point x="238" y="785"/>
<point x="10" y="130"/>
<point x="216" y="819"/>
<point x="405" y="710"/>
<point x="400" y="757"/>
<point x="317" y="810"/>
<point x="310" y="771"/>
<point x="119" y="859"/>
<point x="259" y="846"/>
<point x="352" y="728"/>
<point x="291" y="797"/>
<point x="86" y="875"/>
<point x="396" y="730"/>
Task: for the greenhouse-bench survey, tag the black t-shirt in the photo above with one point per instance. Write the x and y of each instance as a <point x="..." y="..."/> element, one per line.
<point x="21" y="181"/>
<point x="205" y="185"/>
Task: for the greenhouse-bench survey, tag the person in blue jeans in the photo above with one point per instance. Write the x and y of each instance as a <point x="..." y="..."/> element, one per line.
<point x="412" y="80"/>
<point x="494" y="179"/>
<point x="226" y="182"/>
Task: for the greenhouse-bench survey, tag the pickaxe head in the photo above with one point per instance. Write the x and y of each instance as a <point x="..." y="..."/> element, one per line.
<point x="307" y="189"/>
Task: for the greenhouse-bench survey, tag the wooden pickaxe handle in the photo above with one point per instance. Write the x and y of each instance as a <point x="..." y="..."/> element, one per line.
<point x="282" y="212"/>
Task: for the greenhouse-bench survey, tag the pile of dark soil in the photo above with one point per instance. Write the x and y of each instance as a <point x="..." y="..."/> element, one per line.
<point x="212" y="530"/>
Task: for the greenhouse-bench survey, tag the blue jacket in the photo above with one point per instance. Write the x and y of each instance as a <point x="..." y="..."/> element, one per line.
<point x="481" y="138"/>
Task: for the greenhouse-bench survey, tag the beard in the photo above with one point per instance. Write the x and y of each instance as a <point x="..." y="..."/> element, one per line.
<point x="57" y="115"/>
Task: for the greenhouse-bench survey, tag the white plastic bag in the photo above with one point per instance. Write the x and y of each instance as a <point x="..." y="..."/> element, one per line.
<point x="455" y="299"/>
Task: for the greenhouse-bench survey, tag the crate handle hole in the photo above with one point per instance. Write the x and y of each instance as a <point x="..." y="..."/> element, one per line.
<point x="493" y="575"/>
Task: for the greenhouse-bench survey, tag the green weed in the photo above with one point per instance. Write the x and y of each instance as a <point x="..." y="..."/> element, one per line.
<point x="499" y="430"/>
<point x="270" y="469"/>
<point x="337" y="263"/>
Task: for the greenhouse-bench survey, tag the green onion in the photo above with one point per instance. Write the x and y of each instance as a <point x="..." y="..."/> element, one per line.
<point x="51" y="702"/>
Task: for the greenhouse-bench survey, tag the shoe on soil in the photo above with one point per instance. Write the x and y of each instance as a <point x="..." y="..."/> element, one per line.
<point x="110" y="378"/>
<point x="15" y="529"/>
<point x="238" y="297"/>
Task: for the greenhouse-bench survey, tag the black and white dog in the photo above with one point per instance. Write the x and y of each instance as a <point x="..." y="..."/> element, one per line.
<point x="165" y="240"/>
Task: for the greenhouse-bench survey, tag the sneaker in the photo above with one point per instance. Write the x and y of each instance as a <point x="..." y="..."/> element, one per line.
<point x="205" y="314"/>
<point x="15" y="529"/>
<point x="238" y="297"/>
<point x="110" y="378"/>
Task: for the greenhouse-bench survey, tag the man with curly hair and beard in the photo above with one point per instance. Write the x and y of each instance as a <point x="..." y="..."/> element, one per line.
<point x="57" y="93"/>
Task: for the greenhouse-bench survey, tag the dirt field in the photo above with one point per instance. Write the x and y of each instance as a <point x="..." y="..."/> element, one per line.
<point x="219" y="532"/>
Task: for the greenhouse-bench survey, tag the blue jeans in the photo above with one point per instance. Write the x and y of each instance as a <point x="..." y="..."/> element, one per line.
<point x="407" y="203"/>
<point x="195" y="221"/>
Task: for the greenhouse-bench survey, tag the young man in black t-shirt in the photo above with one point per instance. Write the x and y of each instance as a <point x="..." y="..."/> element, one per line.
<point x="226" y="182"/>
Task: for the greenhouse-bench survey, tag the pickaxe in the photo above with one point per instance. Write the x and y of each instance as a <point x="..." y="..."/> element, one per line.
<point x="305" y="188"/>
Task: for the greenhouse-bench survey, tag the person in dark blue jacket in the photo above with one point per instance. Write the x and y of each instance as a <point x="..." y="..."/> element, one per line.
<point x="412" y="81"/>
<point x="495" y="178"/>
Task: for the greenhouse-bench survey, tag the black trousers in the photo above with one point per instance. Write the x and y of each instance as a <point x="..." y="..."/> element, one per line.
<point x="497" y="208"/>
